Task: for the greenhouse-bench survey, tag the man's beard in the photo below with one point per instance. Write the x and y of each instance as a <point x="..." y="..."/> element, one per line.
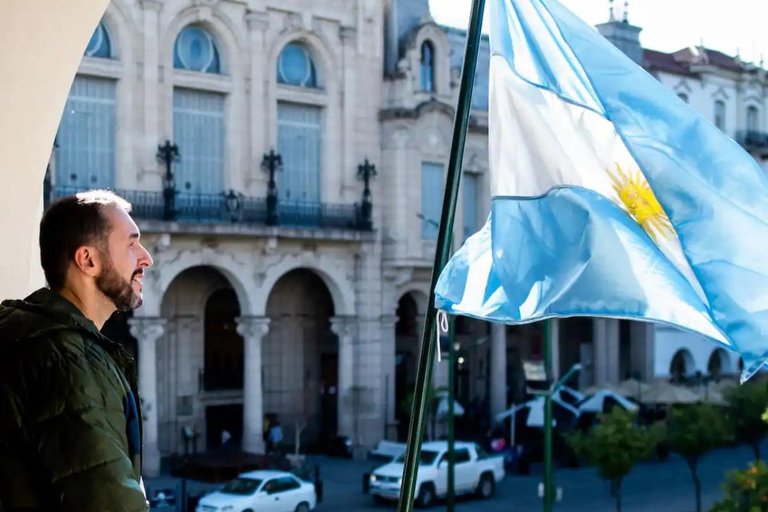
<point x="116" y="288"/>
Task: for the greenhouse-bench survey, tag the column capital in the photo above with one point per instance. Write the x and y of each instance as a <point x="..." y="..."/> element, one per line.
<point x="343" y="327"/>
<point x="250" y="327"/>
<point x="147" y="328"/>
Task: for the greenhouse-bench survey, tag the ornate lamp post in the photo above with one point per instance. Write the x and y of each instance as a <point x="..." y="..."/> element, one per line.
<point x="366" y="171"/>
<point x="271" y="163"/>
<point x="167" y="154"/>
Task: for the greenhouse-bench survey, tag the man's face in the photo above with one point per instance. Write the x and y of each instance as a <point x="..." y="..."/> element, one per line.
<point x="123" y="264"/>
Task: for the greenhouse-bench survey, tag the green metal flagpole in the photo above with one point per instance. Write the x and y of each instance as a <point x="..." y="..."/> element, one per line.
<point x="428" y="344"/>
<point x="451" y="501"/>
<point x="548" y="473"/>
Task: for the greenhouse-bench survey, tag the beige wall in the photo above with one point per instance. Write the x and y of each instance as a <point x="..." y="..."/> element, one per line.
<point x="45" y="41"/>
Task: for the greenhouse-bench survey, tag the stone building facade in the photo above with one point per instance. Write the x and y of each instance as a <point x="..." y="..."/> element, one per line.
<point x="296" y="287"/>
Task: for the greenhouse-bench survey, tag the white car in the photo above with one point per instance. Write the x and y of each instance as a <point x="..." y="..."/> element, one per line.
<point x="261" y="491"/>
<point x="475" y="472"/>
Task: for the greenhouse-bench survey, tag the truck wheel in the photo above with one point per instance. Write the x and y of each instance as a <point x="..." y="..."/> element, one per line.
<point x="426" y="496"/>
<point x="486" y="486"/>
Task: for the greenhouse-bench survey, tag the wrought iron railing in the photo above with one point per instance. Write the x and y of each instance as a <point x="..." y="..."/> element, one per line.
<point x="232" y="207"/>
<point x="752" y="139"/>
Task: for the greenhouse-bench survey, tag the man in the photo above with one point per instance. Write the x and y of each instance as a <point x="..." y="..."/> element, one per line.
<point x="70" y="429"/>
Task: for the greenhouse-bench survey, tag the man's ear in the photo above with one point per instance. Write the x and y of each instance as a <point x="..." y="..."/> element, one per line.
<point x="87" y="260"/>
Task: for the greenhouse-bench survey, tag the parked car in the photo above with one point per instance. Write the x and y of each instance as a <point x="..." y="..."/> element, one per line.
<point x="475" y="472"/>
<point x="261" y="491"/>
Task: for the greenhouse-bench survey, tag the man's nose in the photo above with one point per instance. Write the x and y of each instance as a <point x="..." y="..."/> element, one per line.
<point x="145" y="260"/>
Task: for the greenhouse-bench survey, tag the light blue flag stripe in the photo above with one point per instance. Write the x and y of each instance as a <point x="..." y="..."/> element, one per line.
<point x="715" y="195"/>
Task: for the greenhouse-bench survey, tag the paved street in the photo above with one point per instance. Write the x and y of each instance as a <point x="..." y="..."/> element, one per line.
<point x="657" y="487"/>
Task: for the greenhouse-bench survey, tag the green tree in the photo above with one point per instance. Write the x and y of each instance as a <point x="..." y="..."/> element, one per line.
<point x="614" y="446"/>
<point x="693" y="431"/>
<point x="745" y="491"/>
<point x="746" y="405"/>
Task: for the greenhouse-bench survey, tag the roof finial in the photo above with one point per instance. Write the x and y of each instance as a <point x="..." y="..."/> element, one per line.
<point x="626" y="11"/>
<point x="611" y="16"/>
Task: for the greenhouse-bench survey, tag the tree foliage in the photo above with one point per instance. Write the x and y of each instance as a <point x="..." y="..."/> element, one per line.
<point x="746" y="405"/>
<point x="614" y="446"/>
<point x="693" y="431"/>
<point x="745" y="491"/>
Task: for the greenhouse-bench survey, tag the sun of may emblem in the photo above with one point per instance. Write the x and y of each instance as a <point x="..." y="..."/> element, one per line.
<point x="637" y="197"/>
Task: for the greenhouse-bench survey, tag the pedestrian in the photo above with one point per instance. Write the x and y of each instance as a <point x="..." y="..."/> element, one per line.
<point x="275" y="437"/>
<point x="70" y="431"/>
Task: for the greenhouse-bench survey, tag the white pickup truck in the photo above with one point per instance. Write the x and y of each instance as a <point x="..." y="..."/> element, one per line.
<point x="475" y="472"/>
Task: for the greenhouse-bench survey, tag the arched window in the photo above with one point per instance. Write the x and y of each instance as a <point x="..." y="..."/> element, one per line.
<point x="720" y="114"/>
<point x="753" y="122"/>
<point x="195" y="50"/>
<point x="296" y="67"/>
<point x="682" y="366"/>
<point x="427" y="67"/>
<point x="100" y="45"/>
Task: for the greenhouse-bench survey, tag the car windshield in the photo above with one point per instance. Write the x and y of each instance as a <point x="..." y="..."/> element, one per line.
<point x="242" y="486"/>
<point x="427" y="457"/>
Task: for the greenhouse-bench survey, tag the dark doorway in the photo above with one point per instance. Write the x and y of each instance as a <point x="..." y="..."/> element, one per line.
<point x="221" y="418"/>
<point x="223" y="345"/>
<point x="300" y="358"/>
<point x="406" y="353"/>
<point x="329" y="395"/>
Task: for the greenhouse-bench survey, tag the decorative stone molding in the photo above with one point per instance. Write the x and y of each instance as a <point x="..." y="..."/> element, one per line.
<point x="252" y="327"/>
<point x="147" y="329"/>
<point x="151" y="5"/>
<point x="257" y="20"/>
<point x="344" y="327"/>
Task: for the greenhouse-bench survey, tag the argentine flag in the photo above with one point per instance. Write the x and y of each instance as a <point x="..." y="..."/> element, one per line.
<point x="611" y="196"/>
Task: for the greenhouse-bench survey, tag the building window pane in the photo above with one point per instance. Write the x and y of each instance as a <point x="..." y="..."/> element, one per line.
<point x="195" y="50"/>
<point x="753" y="122"/>
<point x="299" y="142"/>
<point x="86" y="138"/>
<point x="296" y="67"/>
<point x="100" y="44"/>
<point x="720" y="114"/>
<point x="427" y="67"/>
<point x="431" y="199"/>
<point x="470" y="186"/>
<point x="199" y="131"/>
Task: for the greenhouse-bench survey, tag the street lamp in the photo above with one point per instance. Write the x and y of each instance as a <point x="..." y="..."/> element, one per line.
<point x="234" y="202"/>
<point x="271" y="163"/>
<point x="167" y="154"/>
<point x="366" y="171"/>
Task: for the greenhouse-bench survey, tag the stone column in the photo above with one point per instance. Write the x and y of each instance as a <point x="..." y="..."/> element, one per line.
<point x="344" y="329"/>
<point x="555" y="349"/>
<point x="147" y="331"/>
<point x="642" y="336"/>
<point x="606" y="351"/>
<point x="253" y="330"/>
<point x="498" y="369"/>
<point x="388" y="324"/>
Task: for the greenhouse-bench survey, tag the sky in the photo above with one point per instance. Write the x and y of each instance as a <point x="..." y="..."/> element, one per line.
<point x="668" y="25"/>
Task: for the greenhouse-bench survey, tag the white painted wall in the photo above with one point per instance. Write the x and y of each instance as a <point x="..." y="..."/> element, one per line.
<point x="45" y="41"/>
<point x="669" y="341"/>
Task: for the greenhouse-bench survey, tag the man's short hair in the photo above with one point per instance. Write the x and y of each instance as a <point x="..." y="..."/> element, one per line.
<point x="70" y="223"/>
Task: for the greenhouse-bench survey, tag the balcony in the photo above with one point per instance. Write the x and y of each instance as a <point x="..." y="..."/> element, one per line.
<point x="231" y="208"/>
<point x="754" y="141"/>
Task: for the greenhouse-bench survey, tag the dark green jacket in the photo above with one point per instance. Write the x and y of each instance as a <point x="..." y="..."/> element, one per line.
<point x="70" y="434"/>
